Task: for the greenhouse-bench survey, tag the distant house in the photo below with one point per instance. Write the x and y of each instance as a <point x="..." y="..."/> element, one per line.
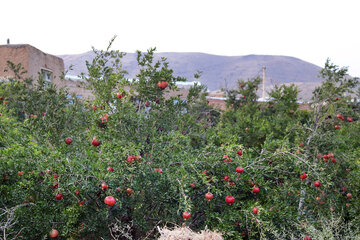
<point x="33" y="60"/>
<point x="36" y="62"/>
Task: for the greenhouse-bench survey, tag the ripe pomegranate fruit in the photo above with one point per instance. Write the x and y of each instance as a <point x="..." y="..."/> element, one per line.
<point x="163" y="84"/>
<point x="129" y="191"/>
<point x="55" y="186"/>
<point x="209" y="196"/>
<point x="95" y="142"/>
<point x="59" y="196"/>
<point x="239" y="152"/>
<point x="68" y="140"/>
<point x="186" y="215"/>
<point x="131" y="159"/>
<point x="317" y="184"/>
<point x="109" y="200"/>
<point x="104" y="186"/>
<point x="226" y="159"/>
<point x="120" y="95"/>
<point x="256" y="190"/>
<point x="229" y="199"/>
<point x="303" y="176"/>
<point x="54" y="233"/>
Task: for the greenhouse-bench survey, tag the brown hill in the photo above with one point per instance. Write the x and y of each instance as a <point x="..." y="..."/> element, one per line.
<point x="223" y="71"/>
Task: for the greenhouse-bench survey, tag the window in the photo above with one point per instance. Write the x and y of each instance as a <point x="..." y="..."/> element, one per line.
<point x="47" y="76"/>
<point x="71" y="98"/>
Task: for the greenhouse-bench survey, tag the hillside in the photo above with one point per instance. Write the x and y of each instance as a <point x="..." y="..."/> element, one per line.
<point x="223" y="71"/>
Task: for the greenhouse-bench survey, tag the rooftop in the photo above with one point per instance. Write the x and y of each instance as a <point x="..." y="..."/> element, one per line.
<point x="25" y="45"/>
<point x="16" y="45"/>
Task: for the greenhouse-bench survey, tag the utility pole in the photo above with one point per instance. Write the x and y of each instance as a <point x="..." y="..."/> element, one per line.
<point x="263" y="87"/>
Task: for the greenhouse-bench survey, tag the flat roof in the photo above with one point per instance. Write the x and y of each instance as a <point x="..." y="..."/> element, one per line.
<point x="25" y="45"/>
<point x="15" y="45"/>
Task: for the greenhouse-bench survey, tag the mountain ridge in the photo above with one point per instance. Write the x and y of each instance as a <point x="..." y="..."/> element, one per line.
<point x="220" y="71"/>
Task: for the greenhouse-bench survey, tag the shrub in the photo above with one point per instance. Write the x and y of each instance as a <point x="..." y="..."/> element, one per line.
<point x="158" y="157"/>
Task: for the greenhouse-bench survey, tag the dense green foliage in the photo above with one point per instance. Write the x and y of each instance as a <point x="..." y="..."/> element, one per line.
<point x="167" y="153"/>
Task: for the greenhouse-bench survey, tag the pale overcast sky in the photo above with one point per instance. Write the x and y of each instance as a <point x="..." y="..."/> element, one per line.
<point x="312" y="30"/>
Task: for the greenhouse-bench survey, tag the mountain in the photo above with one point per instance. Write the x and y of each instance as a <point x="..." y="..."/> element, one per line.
<point x="223" y="71"/>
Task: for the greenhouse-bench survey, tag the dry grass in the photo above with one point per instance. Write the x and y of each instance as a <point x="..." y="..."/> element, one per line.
<point x="185" y="233"/>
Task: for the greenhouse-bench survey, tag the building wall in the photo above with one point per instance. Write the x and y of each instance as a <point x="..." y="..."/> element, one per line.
<point x="16" y="54"/>
<point x="34" y="61"/>
<point x="78" y="87"/>
<point x="39" y="60"/>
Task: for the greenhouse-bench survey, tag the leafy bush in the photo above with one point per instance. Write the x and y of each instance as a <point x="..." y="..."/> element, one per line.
<point x="159" y="156"/>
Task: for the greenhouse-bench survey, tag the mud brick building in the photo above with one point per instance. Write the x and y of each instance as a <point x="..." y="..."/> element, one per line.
<point x="36" y="62"/>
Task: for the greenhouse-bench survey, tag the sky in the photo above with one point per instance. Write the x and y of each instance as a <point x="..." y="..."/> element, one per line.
<point x="312" y="30"/>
